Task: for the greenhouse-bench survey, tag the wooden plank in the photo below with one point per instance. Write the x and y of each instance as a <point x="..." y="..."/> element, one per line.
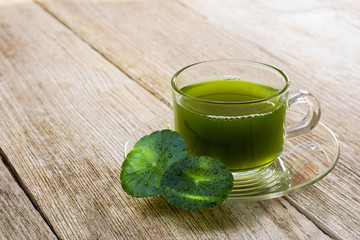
<point x="321" y="40"/>
<point x="66" y="114"/>
<point x="18" y="217"/>
<point x="315" y="42"/>
<point x="162" y="33"/>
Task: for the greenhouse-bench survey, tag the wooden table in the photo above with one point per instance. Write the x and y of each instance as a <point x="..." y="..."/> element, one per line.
<point x="77" y="77"/>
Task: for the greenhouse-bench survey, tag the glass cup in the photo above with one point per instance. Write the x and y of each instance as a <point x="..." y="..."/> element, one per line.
<point x="234" y="110"/>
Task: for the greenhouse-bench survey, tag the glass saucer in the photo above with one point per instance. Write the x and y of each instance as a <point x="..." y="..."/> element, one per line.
<point x="305" y="159"/>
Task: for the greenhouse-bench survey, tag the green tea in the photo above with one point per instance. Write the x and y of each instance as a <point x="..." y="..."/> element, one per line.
<point x="227" y="119"/>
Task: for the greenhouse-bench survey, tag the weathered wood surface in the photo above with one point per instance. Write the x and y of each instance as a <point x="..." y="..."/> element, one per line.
<point x="18" y="217"/>
<point x="67" y="109"/>
<point x="67" y="113"/>
<point x="319" y="41"/>
<point x="316" y="43"/>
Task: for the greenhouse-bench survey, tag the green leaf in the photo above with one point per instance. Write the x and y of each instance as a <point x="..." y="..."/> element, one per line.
<point x="196" y="182"/>
<point x="143" y="167"/>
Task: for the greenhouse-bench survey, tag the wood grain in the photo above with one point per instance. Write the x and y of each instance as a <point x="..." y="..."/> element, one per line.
<point x="321" y="40"/>
<point x="78" y="76"/>
<point x="315" y="43"/>
<point x="132" y="34"/>
<point x="18" y="217"/>
<point x="67" y="113"/>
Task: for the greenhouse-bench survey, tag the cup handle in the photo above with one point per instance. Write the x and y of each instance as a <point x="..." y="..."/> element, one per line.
<point x="312" y="117"/>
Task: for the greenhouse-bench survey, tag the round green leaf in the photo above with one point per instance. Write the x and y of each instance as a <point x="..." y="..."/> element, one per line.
<point x="143" y="167"/>
<point x="196" y="182"/>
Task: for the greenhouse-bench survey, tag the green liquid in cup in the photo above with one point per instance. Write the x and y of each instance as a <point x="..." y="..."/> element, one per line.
<point x="243" y="136"/>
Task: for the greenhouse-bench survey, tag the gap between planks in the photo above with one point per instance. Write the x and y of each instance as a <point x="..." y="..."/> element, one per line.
<point x="142" y="84"/>
<point x="315" y="220"/>
<point x="26" y="191"/>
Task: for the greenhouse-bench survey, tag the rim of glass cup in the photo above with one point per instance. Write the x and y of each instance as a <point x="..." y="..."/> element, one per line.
<point x="259" y="64"/>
